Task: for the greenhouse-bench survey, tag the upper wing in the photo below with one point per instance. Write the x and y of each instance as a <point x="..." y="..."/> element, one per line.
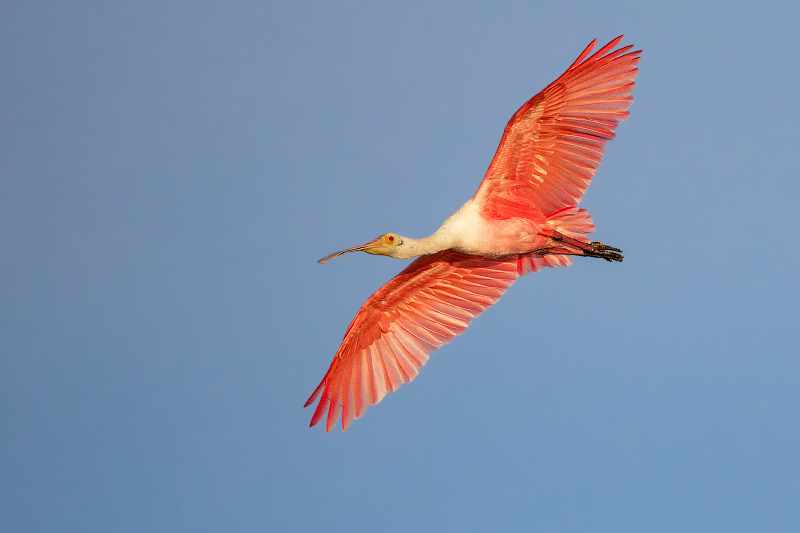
<point x="552" y="146"/>
<point x="421" y="308"/>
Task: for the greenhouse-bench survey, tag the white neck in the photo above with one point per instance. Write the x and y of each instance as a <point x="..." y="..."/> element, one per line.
<point x="441" y="240"/>
<point x="450" y="235"/>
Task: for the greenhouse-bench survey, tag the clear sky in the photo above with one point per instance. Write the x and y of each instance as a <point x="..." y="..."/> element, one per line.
<point x="171" y="171"/>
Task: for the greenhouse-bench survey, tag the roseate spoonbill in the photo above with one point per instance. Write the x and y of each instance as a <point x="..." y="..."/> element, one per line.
<point x="523" y="218"/>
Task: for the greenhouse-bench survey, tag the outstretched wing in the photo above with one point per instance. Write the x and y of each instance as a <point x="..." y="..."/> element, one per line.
<point x="553" y="145"/>
<point x="421" y="308"/>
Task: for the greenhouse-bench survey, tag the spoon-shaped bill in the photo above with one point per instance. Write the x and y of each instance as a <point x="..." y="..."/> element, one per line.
<point x="365" y="247"/>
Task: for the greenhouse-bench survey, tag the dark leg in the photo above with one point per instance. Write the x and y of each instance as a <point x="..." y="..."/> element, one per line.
<point x="594" y="249"/>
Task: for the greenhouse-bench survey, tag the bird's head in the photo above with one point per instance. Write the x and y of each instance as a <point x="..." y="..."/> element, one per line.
<point x="389" y="244"/>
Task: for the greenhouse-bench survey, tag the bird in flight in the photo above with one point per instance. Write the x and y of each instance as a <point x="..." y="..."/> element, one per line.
<point x="523" y="218"/>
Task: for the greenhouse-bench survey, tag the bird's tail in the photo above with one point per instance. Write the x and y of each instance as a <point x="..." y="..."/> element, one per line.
<point x="570" y="222"/>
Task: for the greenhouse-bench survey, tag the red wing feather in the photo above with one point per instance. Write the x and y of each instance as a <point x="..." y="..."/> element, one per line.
<point x="423" y="307"/>
<point x="553" y="144"/>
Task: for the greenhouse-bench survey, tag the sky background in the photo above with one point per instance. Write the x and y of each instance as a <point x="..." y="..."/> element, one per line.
<point x="171" y="171"/>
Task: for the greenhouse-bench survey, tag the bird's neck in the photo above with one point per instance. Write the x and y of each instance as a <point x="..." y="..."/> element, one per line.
<point x="446" y="237"/>
<point x="441" y="240"/>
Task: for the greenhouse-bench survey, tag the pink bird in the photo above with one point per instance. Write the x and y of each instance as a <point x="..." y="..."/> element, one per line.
<point x="523" y="218"/>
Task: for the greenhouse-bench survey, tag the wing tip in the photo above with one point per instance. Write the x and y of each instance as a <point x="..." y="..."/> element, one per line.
<point x="584" y="54"/>
<point x="314" y="394"/>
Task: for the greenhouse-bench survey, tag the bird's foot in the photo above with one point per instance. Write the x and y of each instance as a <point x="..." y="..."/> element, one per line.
<point x="598" y="249"/>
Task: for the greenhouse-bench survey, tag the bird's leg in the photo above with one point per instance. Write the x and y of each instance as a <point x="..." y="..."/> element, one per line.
<point x="593" y="249"/>
<point x="599" y="250"/>
<point x="559" y="251"/>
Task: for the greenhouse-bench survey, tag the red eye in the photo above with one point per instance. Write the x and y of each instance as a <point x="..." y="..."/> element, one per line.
<point x="391" y="239"/>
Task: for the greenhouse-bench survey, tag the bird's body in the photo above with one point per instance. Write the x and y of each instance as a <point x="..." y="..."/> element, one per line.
<point x="523" y="218"/>
<point x="469" y="232"/>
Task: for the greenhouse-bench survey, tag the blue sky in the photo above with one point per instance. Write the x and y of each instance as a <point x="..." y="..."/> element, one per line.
<point x="171" y="172"/>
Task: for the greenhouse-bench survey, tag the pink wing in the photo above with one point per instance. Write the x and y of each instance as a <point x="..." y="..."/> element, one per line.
<point x="421" y="308"/>
<point x="552" y="146"/>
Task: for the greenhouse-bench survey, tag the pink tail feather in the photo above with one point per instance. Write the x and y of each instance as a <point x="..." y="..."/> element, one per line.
<point x="569" y="221"/>
<point x="572" y="222"/>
